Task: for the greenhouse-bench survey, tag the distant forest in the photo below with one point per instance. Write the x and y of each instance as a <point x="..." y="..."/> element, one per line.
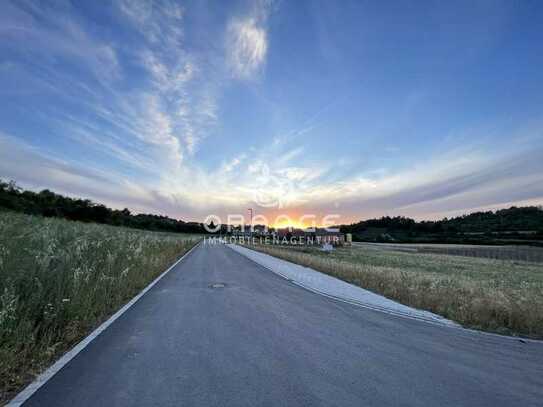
<point x="505" y="226"/>
<point x="516" y="225"/>
<point x="50" y="204"/>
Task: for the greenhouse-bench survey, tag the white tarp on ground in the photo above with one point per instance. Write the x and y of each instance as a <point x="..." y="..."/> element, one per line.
<point x="333" y="287"/>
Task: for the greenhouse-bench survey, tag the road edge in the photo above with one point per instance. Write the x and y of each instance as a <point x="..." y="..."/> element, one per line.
<point x="440" y="321"/>
<point x="52" y="370"/>
<point x="455" y="326"/>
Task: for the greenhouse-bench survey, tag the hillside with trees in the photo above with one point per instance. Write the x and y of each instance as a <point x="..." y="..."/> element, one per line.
<point x="515" y="225"/>
<point x="51" y="204"/>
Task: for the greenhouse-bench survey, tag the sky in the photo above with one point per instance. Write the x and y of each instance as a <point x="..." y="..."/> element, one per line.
<point x="359" y="109"/>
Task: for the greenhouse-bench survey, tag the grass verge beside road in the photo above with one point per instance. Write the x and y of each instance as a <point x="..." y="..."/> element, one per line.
<point x="60" y="279"/>
<point x="500" y="296"/>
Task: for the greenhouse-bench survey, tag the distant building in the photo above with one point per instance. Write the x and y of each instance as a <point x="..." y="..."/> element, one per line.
<point x="318" y="236"/>
<point x="257" y="231"/>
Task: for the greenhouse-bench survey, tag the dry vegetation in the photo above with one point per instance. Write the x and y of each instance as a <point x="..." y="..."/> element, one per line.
<point x="516" y="253"/>
<point x="60" y="279"/>
<point x="502" y="296"/>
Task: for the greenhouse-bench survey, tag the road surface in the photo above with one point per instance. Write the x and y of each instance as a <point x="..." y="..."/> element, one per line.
<point x="263" y="341"/>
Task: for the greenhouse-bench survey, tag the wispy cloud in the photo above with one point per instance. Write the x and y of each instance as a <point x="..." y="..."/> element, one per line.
<point x="161" y="118"/>
<point x="247" y="42"/>
<point x="51" y="31"/>
<point x="247" y="47"/>
<point x="460" y="180"/>
<point x="67" y="176"/>
<point x="158" y="21"/>
<point x="233" y="163"/>
<point x="174" y="73"/>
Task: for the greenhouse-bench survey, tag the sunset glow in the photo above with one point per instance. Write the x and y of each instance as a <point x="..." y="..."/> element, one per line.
<point x="285" y="223"/>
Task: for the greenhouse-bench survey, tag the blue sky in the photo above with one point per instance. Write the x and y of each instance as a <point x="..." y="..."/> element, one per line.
<point x="423" y="109"/>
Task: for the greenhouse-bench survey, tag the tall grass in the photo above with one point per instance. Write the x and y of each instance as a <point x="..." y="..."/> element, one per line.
<point x="60" y="279"/>
<point x="495" y="295"/>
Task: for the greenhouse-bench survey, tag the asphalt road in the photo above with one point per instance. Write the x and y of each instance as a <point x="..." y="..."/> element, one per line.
<point x="262" y="340"/>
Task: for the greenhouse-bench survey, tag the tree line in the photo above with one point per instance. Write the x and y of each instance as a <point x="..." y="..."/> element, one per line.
<point x="513" y="225"/>
<point x="51" y="204"/>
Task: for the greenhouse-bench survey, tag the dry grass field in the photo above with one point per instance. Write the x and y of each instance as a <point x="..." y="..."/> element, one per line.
<point x="60" y="279"/>
<point x="504" y="296"/>
<point x="516" y="253"/>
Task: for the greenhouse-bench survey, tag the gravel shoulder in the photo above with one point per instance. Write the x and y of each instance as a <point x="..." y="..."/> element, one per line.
<point x="335" y="288"/>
